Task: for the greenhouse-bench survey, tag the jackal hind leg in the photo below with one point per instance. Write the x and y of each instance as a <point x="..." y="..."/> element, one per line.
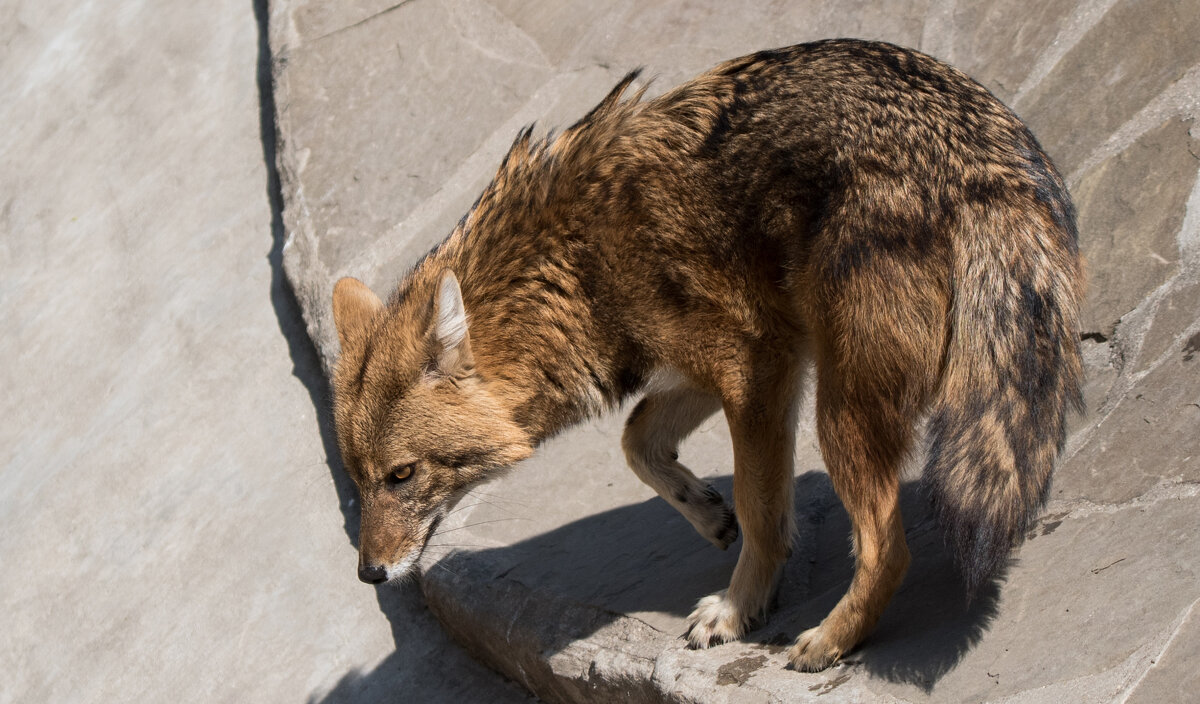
<point x="651" y="440"/>
<point x="863" y="443"/>
<point x="763" y="431"/>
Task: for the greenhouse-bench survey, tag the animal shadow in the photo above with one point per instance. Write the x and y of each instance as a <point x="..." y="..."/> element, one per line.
<point x="644" y="559"/>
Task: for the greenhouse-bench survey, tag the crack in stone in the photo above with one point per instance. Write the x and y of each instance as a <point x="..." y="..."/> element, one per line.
<point x="1180" y="342"/>
<point x="361" y="22"/>
<point x="1125" y="344"/>
<point x="1189" y="231"/>
<point x="1163" y="491"/>
<point x="1178" y="100"/>
<point x="1178" y="626"/>
<point x="467" y="37"/>
<point x="1098" y="570"/>
<point x="516" y="616"/>
<point x="1087" y="16"/>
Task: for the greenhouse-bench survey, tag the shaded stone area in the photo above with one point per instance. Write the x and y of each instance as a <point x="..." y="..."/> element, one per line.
<point x="568" y="576"/>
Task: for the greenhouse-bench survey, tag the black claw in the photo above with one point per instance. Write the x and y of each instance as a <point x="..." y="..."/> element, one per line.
<point x="730" y="528"/>
<point x="712" y="496"/>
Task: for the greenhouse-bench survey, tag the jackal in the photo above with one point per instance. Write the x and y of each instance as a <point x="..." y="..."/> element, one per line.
<point x="849" y="204"/>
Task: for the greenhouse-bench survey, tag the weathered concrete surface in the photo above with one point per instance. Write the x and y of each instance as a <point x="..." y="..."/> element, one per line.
<point x="172" y="531"/>
<point x="567" y="575"/>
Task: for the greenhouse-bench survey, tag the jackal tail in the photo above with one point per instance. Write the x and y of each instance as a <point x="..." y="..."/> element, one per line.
<point x="1012" y="370"/>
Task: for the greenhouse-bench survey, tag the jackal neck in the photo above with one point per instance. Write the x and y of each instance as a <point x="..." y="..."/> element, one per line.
<point x="544" y="344"/>
<point x="541" y="261"/>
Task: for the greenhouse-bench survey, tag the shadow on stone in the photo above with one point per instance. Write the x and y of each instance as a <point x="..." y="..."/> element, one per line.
<point x="398" y="676"/>
<point x="518" y="605"/>
<point x="306" y="366"/>
<point x="930" y="624"/>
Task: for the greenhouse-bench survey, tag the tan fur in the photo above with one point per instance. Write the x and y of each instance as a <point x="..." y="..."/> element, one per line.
<point x="847" y="204"/>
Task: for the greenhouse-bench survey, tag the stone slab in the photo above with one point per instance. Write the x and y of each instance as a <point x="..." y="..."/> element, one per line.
<point x="1132" y="207"/>
<point x="1155" y="431"/>
<point x="567" y="575"/>
<point x="998" y="42"/>
<point x="1132" y="52"/>
<point x="1173" y="677"/>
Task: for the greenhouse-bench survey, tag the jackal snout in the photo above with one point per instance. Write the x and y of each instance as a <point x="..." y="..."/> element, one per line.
<point x="392" y="536"/>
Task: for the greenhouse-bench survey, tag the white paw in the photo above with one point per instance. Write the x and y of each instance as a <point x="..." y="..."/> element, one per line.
<point x="812" y="652"/>
<point x="716" y="620"/>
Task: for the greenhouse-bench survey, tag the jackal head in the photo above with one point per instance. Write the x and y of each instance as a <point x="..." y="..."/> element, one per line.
<point x="417" y="425"/>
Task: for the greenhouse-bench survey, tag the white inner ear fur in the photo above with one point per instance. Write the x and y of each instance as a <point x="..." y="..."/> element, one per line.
<point x="451" y="315"/>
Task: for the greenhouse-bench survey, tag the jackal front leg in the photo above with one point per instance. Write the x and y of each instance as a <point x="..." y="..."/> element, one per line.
<point x="763" y="445"/>
<point x="653" y="432"/>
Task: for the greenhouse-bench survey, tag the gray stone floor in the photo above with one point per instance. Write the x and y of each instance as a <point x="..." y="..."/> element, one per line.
<point x="172" y="530"/>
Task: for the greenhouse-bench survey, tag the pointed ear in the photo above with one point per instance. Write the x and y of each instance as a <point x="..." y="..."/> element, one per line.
<point x="353" y="307"/>
<point x="453" y="343"/>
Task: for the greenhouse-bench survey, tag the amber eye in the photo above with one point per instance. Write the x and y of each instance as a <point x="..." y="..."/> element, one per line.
<point x="399" y="474"/>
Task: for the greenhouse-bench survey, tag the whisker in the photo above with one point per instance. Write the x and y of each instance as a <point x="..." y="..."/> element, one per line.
<point x="496" y="496"/>
<point x="438" y="564"/>
<point x="456" y="545"/>
<point x="480" y="503"/>
<point x="480" y="523"/>
<point x="462" y="508"/>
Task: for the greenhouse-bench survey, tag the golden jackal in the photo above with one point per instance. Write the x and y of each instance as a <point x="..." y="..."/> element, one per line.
<point x="853" y="204"/>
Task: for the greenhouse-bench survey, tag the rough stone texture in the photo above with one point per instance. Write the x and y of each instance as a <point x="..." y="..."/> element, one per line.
<point x="172" y="531"/>
<point x="1135" y="51"/>
<point x="1132" y="206"/>
<point x="1173" y="677"/>
<point x="567" y="575"/>
<point x="980" y="33"/>
<point x="1155" y="430"/>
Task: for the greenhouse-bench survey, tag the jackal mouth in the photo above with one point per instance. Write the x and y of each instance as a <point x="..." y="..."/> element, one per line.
<point x="433" y="526"/>
<point x="408" y="565"/>
<point x="404" y="569"/>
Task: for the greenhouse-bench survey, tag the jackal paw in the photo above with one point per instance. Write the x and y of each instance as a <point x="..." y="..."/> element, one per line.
<point x="716" y="522"/>
<point x="716" y="620"/>
<point x="812" y="652"/>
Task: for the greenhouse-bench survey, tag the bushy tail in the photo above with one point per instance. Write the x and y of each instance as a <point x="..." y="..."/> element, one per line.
<point x="997" y="423"/>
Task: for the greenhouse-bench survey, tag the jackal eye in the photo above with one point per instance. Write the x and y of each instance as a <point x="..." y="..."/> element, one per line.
<point x="400" y="473"/>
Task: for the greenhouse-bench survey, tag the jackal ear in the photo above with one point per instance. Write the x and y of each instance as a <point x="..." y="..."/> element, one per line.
<point x="453" y="352"/>
<point x="353" y="307"/>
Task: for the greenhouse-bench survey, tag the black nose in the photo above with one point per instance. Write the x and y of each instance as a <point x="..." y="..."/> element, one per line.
<point x="372" y="574"/>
